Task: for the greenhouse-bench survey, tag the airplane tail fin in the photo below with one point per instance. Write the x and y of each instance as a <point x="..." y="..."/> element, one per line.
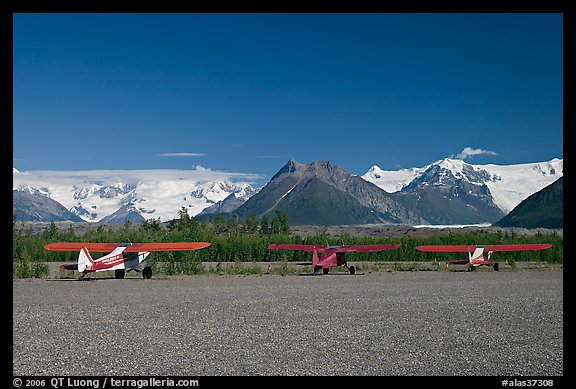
<point x="479" y="255"/>
<point x="84" y="260"/>
<point x="315" y="259"/>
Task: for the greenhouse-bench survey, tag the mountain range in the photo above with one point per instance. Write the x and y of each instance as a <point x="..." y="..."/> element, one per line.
<point x="448" y="191"/>
<point x="118" y="196"/>
<point x="543" y="209"/>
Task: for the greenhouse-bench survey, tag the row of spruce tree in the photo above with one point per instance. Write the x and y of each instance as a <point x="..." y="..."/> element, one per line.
<point x="234" y="240"/>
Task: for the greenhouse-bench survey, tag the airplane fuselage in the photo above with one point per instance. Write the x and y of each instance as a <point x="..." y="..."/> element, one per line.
<point x="117" y="259"/>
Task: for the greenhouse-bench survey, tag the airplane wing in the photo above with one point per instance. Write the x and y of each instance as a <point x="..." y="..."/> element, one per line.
<point x="166" y="246"/>
<point x="517" y="247"/>
<point x="342" y="249"/>
<point x="301" y="247"/>
<point x="77" y="246"/>
<point x="493" y="247"/>
<point x="447" y="248"/>
<point x="131" y="247"/>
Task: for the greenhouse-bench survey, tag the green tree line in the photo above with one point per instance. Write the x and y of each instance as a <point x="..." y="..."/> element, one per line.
<point x="248" y="240"/>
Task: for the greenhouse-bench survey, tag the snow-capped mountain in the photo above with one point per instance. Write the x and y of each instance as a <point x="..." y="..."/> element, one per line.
<point x="230" y="203"/>
<point x="543" y="209"/>
<point x="448" y="191"/>
<point x="134" y="194"/>
<point x="322" y="193"/>
<point x="509" y="185"/>
<point x="29" y="206"/>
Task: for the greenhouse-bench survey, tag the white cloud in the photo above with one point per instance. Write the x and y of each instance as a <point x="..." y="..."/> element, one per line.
<point x="106" y="177"/>
<point x="469" y="152"/>
<point x="182" y="155"/>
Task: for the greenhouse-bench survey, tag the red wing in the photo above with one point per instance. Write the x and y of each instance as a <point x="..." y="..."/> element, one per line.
<point x="342" y="249"/>
<point x="134" y="247"/>
<point x="517" y="247"/>
<point x="368" y="248"/>
<point x="166" y="246"/>
<point x="447" y="248"/>
<point x="493" y="247"/>
<point x="77" y="246"/>
<point x="301" y="247"/>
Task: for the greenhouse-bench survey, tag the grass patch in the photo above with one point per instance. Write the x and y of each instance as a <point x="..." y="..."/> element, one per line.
<point x="29" y="270"/>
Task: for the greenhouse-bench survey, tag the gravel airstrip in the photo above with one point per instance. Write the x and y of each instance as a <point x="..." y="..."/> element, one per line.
<point x="439" y="323"/>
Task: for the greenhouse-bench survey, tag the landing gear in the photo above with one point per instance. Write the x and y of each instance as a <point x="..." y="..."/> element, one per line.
<point x="326" y="270"/>
<point x="351" y="269"/>
<point x="119" y="273"/>
<point x="496" y="266"/>
<point x="147" y="273"/>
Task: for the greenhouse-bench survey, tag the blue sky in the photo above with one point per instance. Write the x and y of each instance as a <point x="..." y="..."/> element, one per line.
<point x="247" y="92"/>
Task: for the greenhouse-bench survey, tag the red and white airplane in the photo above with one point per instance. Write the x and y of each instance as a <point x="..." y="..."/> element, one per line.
<point x="122" y="257"/>
<point x="481" y="255"/>
<point x="333" y="256"/>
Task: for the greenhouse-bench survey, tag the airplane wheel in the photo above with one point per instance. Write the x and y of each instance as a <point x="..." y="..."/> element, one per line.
<point x="325" y="270"/>
<point x="147" y="272"/>
<point x="119" y="274"/>
<point x="352" y="270"/>
<point x="496" y="266"/>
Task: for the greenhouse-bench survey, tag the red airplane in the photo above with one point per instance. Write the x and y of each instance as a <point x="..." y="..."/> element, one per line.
<point x="480" y="255"/>
<point x="122" y="257"/>
<point x="333" y="255"/>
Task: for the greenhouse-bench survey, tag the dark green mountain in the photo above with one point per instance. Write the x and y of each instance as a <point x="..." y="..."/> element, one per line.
<point x="324" y="194"/>
<point x="543" y="209"/>
<point x="35" y="207"/>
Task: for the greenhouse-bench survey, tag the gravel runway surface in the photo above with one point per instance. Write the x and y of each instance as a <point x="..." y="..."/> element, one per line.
<point x="481" y="323"/>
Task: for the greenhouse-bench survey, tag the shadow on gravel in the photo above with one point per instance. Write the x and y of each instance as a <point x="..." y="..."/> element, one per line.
<point x="329" y="274"/>
<point x="87" y="279"/>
